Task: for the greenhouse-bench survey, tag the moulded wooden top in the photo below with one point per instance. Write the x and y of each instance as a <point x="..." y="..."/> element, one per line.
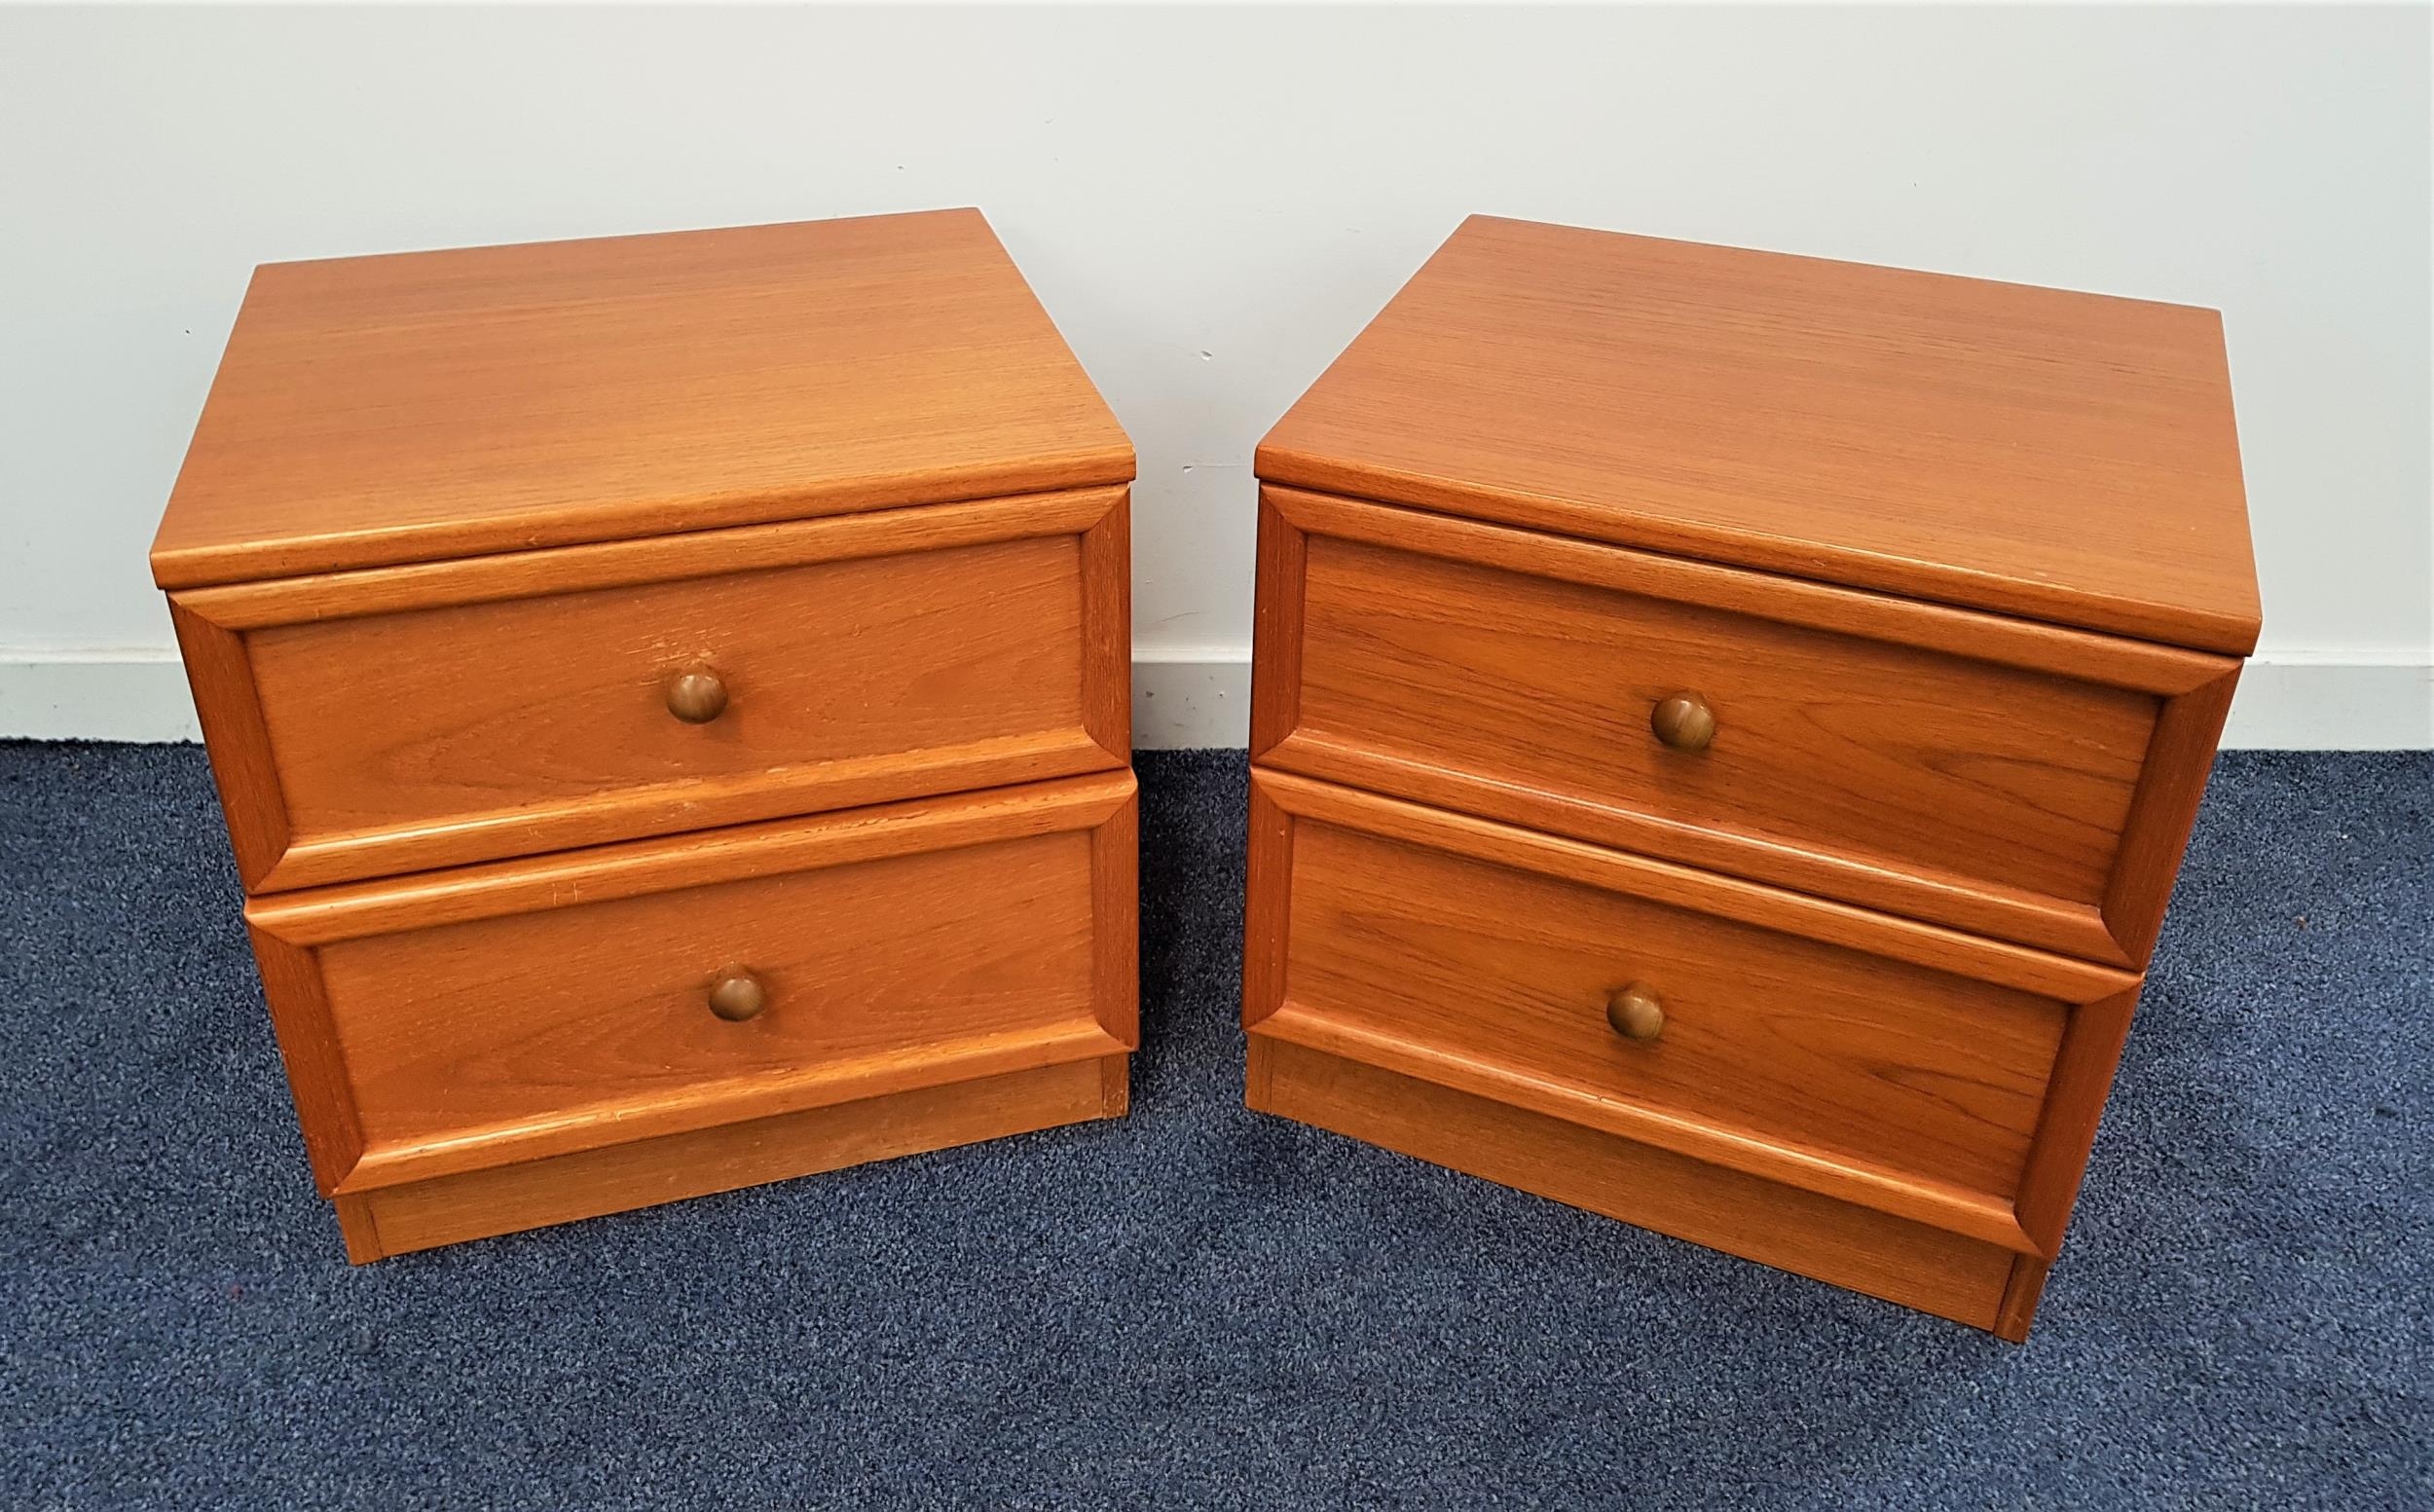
<point x="379" y="410"/>
<point x="2062" y="456"/>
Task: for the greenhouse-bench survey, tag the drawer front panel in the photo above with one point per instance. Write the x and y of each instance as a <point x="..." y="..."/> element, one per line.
<point x="1988" y="794"/>
<point x="1786" y="1040"/>
<point x="464" y="731"/>
<point x="575" y="1010"/>
<point x="1892" y="1258"/>
<point x="504" y="1021"/>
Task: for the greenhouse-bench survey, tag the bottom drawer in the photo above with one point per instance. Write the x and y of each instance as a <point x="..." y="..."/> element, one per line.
<point x="1744" y="1037"/>
<point x="1913" y="1263"/>
<point x="533" y="1010"/>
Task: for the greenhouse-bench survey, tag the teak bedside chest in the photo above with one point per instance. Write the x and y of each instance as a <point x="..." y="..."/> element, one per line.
<point x="670" y="696"/>
<point x="1727" y="726"/>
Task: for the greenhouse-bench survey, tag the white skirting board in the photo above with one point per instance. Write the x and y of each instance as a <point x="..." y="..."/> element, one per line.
<point x="102" y="694"/>
<point x="1201" y="697"/>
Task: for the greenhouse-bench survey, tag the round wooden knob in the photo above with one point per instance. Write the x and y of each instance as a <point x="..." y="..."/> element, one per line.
<point x="737" y="995"/>
<point x="1683" y="722"/>
<point x="1635" y="1014"/>
<point x="697" y="697"/>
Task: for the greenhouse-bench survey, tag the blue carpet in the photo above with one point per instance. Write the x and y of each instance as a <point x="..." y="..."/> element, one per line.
<point x="1200" y="1306"/>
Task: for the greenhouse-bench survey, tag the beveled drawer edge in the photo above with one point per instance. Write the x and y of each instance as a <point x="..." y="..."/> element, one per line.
<point x="236" y="741"/>
<point x="2088" y="656"/>
<point x="1967" y="904"/>
<point x="1675" y="884"/>
<point x="628" y="869"/>
<point x="644" y="812"/>
<point x="715" y="553"/>
<point x="2154" y="839"/>
<point x="1762" y="554"/>
<point x="689" y="1110"/>
<point x="177" y="568"/>
<point x="1982" y="1216"/>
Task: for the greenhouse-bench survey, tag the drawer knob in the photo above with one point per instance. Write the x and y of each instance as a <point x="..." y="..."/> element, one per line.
<point x="1635" y="1014"/>
<point x="697" y="697"/>
<point x="1683" y="722"/>
<point x="737" y="995"/>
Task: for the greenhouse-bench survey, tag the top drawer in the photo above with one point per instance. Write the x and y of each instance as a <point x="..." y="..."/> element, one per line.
<point x="1997" y="775"/>
<point x="393" y="720"/>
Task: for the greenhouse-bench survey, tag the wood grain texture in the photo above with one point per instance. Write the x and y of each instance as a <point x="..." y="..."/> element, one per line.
<point x="1847" y="1245"/>
<point x="2111" y="660"/>
<point x="505" y="1039"/>
<point x="1943" y="763"/>
<point x="2061" y="977"/>
<point x="451" y="1209"/>
<point x="523" y="1010"/>
<point x="1942" y="896"/>
<point x="1825" y="742"/>
<point x="380" y="410"/>
<point x="495" y="888"/>
<point x="589" y="637"/>
<point x="659" y="559"/>
<point x="1941" y="584"/>
<point x="521" y="701"/>
<point x="1934" y="1076"/>
<point x="1909" y="1089"/>
<point x="2058" y="456"/>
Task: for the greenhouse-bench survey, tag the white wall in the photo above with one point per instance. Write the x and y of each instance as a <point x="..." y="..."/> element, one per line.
<point x="1211" y="202"/>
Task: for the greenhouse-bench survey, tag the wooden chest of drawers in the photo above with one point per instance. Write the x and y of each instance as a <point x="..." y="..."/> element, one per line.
<point x="1725" y="729"/>
<point x="671" y="700"/>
